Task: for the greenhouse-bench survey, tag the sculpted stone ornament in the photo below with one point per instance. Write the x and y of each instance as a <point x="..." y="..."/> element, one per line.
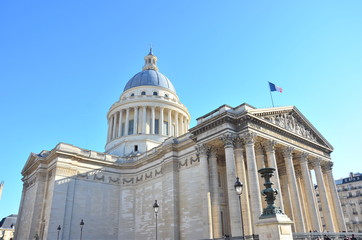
<point x="249" y="137"/>
<point x="270" y="194"/>
<point x="228" y="140"/>
<point x="269" y="145"/>
<point x="290" y="123"/>
<point x="202" y="149"/>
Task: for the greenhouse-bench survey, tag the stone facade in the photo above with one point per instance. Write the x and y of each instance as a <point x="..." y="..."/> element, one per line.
<point x="350" y="194"/>
<point x="190" y="172"/>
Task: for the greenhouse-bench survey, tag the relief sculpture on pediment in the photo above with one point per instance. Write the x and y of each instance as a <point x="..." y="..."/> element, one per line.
<point x="291" y="124"/>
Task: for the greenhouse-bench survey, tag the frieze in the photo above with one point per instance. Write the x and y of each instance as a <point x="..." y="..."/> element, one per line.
<point x="148" y="176"/>
<point x="188" y="162"/>
<point x="291" y="124"/>
<point x="139" y="179"/>
<point x="30" y="182"/>
<point x="125" y="180"/>
<point x="192" y="160"/>
<point x="97" y="178"/>
<point x="68" y="172"/>
<point x="158" y="172"/>
<point x="184" y="164"/>
<point x="111" y="180"/>
<point x="83" y="175"/>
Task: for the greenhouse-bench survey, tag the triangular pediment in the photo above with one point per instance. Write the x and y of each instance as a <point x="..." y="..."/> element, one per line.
<point x="292" y="120"/>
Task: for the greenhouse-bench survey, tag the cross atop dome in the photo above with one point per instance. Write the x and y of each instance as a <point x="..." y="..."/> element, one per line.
<point x="150" y="62"/>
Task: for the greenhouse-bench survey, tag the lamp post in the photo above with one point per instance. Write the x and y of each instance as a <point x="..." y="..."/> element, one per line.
<point x="81" y="229"/>
<point x="156" y="206"/>
<point x="238" y="186"/>
<point x="59" y="228"/>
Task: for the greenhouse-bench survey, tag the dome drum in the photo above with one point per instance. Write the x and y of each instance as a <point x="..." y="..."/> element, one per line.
<point x="148" y="112"/>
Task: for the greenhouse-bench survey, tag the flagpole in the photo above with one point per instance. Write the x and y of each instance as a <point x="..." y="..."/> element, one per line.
<point x="271" y="96"/>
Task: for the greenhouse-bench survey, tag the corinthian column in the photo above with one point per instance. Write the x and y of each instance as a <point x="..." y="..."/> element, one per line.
<point x="327" y="169"/>
<point x="215" y="200"/>
<point x="253" y="180"/>
<point x="309" y="192"/>
<point x="203" y="151"/>
<point x="234" y="206"/>
<point x="323" y="196"/>
<point x="113" y="125"/>
<point x="269" y="147"/>
<point x="144" y="119"/>
<point x="120" y="123"/>
<point x="161" y="122"/>
<point x="126" y="127"/>
<point x="241" y="173"/>
<point x="294" y="193"/>
<point x="169" y="123"/>
<point x="109" y="129"/>
<point x="152" y="120"/>
<point x="135" y="121"/>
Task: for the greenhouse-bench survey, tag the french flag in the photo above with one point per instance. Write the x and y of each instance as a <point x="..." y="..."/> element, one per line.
<point x="274" y="87"/>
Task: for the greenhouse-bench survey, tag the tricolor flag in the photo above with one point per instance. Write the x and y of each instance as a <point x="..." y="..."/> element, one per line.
<point x="274" y="87"/>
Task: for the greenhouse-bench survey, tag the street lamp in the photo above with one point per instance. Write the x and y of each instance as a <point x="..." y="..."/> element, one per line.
<point x="239" y="190"/>
<point x="81" y="229"/>
<point x="156" y="207"/>
<point x="59" y="228"/>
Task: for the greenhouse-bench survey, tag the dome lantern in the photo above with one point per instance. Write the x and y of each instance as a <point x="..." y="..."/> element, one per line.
<point x="150" y="62"/>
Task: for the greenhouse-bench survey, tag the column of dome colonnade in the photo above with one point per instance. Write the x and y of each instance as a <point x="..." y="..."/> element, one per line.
<point x="142" y="123"/>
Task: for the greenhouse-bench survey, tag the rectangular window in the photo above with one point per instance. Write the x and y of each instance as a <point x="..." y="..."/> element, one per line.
<point x="157" y="126"/>
<point x="222" y="222"/>
<point x="122" y="130"/>
<point x="165" y="128"/>
<point x="130" y="127"/>
<point x="219" y="178"/>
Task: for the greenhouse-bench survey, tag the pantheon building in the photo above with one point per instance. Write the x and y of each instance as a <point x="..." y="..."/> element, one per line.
<point x="152" y="154"/>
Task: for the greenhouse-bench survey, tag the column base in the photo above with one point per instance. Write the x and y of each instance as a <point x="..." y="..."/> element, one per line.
<point x="275" y="227"/>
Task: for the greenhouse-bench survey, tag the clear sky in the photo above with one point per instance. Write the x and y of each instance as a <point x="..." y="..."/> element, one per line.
<point x="64" y="63"/>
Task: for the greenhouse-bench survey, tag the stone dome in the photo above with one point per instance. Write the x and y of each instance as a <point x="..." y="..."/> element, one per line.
<point x="149" y="77"/>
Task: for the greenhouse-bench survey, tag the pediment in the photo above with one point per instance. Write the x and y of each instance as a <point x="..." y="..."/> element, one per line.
<point x="292" y="120"/>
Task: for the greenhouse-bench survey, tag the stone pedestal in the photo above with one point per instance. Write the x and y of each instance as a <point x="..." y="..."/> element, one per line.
<point x="277" y="227"/>
<point x="273" y="224"/>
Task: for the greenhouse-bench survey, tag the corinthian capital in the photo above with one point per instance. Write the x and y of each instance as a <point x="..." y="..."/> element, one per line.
<point x="316" y="162"/>
<point x="238" y="143"/>
<point x="228" y="140"/>
<point x="287" y="151"/>
<point x="202" y="149"/>
<point x="269" y="145"/>
<point x="327" y="166"/>
<point x="249" y="137"/>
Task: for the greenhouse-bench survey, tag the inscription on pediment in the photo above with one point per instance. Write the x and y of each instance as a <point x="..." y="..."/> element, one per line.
<point x="291" y="124"/>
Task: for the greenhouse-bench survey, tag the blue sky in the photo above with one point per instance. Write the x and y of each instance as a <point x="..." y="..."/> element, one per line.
<point x="64" y="63"/>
